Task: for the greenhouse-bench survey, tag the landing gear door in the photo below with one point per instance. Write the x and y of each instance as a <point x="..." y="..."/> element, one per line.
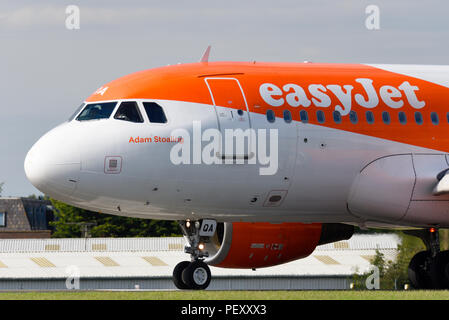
<point x="208" y="228"/>
<point x="233" y="114"/>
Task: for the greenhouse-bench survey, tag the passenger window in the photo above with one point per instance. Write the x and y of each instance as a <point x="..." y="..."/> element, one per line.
<point x="447" y="117"/>
<point x="386" y="117"/>
<point x="369" y="117"/>
<point x="304" y="116"/>
<point x="337" y="116"/>
<point x="270" y="116"/>
<point x="287" y="116"/>
<point x="320" y="116"/>
<point x="155" y="112"/>
<point x="418" y="117"/>
<point x="95" y="111"/>
<point x="353" y="117"/>
<point x="128" y="111"/>
<point x="402" y="117"/>
<point x="434" y="117"/>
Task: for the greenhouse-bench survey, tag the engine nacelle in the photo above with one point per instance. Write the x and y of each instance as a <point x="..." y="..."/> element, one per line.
<point x="256" y="245"/>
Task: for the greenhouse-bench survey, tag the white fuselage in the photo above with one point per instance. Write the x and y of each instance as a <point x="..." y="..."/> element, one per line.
<point x="317" y="169"/>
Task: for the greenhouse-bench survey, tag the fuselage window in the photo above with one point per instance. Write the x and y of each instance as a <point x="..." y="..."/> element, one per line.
<point x="128" y="111"/>
<point x="402" y="117"/>
<point x="95" y="111"/>
<point x="434" y="117"/>
<point x="369" y="117"/>
<point x="447" y="117"/>
<point x="320" y="116"/>
<point x="287" y="116"/>
<point x="386" y="117"/>
<point x="337" y="116"/>
<point x="418" y="117"/>
<point x="270" y="116"/>
<point x="353" y="117"/>
<point x="155" y="112"/>
<point x="304" y="116"/>
<point x="76" y="112"/>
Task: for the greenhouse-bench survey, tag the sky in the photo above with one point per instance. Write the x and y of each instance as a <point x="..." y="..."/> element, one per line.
<point x="47" y="70"/>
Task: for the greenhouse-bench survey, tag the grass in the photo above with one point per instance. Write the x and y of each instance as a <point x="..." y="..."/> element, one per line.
<point x="227" y="295"/>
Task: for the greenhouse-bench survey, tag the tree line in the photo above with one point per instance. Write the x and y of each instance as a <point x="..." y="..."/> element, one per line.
<point x="68" y="223"/>
<point x="393" y="274"/>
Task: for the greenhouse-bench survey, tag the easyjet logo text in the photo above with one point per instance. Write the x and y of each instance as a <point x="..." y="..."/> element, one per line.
<point x="321" y="96"/>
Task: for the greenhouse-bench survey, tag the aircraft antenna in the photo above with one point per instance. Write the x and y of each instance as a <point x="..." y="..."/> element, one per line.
<point x="205" y="57"/>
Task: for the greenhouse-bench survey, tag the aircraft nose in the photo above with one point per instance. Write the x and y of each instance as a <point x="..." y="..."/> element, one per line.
<point x="53" y="164"/>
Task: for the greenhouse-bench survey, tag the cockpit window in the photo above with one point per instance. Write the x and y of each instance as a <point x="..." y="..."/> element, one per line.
<point x="76" y="112"/>
<point x="128" y="111"/>
<point x="97" y="111"/>
<point x="155" y="112"/>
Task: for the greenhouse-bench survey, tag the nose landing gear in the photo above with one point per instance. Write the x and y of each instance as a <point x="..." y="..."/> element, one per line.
<point x="194" y="274"/>
<point x="191" y="275"/>
<point x="429" y="269"/>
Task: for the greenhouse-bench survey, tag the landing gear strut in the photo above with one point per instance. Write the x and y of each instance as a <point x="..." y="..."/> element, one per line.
<point x="429" y="269"/>
<point x="194" y="274"/>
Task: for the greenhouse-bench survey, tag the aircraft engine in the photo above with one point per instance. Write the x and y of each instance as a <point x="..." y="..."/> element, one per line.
<point x="257" y="245"/>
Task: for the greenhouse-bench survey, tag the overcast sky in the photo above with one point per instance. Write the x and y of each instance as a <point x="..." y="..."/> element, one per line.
<point x="46" y="70"/>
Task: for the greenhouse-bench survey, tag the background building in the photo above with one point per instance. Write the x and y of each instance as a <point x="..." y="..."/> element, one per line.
<point x="25" y="218"/>
<point x="148" y="263"/>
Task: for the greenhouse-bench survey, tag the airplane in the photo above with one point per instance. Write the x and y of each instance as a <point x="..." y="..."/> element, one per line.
<point x="262" y="162"/>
